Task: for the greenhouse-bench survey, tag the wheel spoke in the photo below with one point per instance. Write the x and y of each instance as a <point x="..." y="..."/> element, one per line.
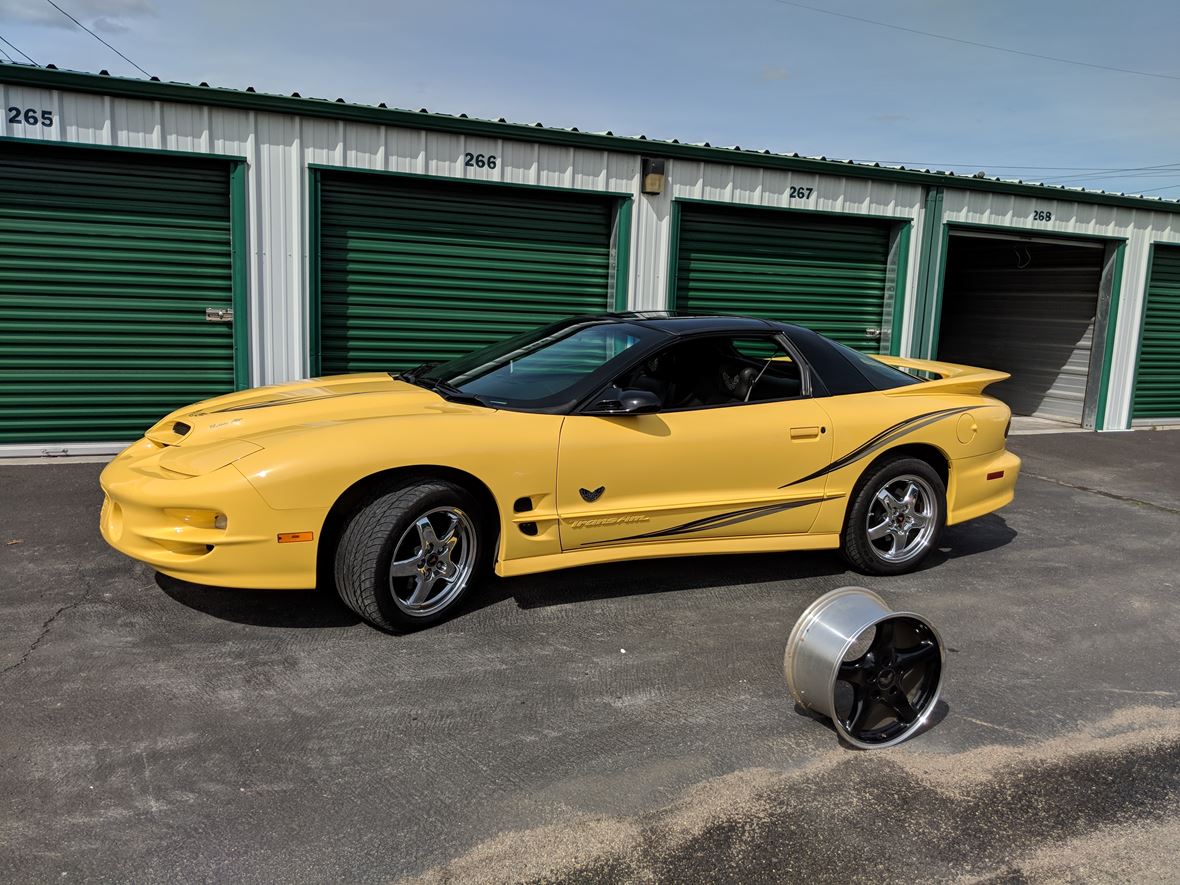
<point x="879" y="531"/>
<point x="882" y="645"/>
<point x="854" y="672"/>
<point x="862" y="710"/>
<point x="907" y="659"/>
<point x="404" y="568"/>
<point x="910" y="497"/>
<point x="921" y="520"/>
<point x="887" y="499"/>
<point x="426" y="532"/>
<point x="421" y="590"/>
<point x="901" y="538"/>
<point x="449" y="569"/>
<point x="896" y="700"/>
<point x="448" y="536"/>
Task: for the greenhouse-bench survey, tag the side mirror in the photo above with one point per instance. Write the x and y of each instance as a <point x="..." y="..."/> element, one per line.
<point x="627" y="402"/>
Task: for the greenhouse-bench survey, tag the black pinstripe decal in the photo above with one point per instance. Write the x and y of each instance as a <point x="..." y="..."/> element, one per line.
<point x="720" y="520"/>
<point x="882" y="439"/>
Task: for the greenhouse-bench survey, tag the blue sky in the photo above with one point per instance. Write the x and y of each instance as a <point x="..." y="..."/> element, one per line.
<point x="751" y="72"/>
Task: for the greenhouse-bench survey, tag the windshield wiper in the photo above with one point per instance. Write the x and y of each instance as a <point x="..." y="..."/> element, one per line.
<point x="412" y="375"/>
<point x="452" y="394"/>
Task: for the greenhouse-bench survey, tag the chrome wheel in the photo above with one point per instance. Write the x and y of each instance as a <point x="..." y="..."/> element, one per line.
<point x="874" y="672"/>
<point x="900" y="522"/>
<point x="432" y="561"/>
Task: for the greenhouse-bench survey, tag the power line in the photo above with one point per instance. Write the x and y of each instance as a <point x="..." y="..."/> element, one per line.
<point x="13" y="47"/>
<point x="6" y="55"/>
<point x="928" y="164"/>
<point x="1054" y="58"/>
<point x="1158" y="189"/>
<point x="98" y="38"/>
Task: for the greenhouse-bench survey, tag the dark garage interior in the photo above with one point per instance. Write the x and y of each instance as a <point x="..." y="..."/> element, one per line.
<point x="1027" y="307"/>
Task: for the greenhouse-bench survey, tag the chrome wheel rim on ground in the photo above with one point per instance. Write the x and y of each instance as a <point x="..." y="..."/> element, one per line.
<point x="432" y="561"/>
<point x="900" y="520"/>
<point x="875" y="673"/>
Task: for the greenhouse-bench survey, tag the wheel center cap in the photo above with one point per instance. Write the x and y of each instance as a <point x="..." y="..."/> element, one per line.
<point x="886" y="678"/>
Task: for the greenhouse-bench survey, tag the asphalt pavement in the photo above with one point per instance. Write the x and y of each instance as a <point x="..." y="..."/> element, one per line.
<point x="613" y="723"/>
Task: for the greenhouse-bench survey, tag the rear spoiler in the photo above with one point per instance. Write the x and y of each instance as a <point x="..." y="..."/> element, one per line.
<point x="952" y="378"/>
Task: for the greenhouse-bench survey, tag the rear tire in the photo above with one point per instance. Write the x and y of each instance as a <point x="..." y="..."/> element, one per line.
<point x="896" y="515"/>
<point x="408" y="555"/>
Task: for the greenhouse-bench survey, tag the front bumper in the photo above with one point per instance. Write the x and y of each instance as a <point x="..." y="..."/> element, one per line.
<point x="971" y="493"/>
<point x="169" y="521"/>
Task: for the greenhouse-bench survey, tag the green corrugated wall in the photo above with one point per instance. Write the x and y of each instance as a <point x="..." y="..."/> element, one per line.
<point x="107" y="263"/>
<point x="826" y="274"/>
<point x="412" y="271"/>
<point x="1157" y="377"/>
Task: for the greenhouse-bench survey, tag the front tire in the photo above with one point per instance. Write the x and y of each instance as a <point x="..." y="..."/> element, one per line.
<point x="408" y="556"/>
<point x="897" y="514"/>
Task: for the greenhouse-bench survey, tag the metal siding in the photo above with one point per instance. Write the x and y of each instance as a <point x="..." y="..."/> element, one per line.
<point x="826" y="274"/>
<point x="104" y="281"/>
<point x="1027" y="309"/>
<point x="277" y="277"/>
<point x="414" y="270"/>
<point x="1157" y="376"/>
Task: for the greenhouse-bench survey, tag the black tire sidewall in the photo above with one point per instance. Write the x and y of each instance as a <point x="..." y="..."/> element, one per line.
<point x="411" y="500"/>
<point x="855" y="543"/>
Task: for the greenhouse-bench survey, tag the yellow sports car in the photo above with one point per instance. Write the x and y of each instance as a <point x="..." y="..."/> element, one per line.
<point x="594" y="439"/>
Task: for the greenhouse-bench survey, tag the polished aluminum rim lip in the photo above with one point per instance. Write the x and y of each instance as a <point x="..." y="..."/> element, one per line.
<point x="432" y="559"/>
<point x="813" y="614"/>
<point x="925" y="532"/>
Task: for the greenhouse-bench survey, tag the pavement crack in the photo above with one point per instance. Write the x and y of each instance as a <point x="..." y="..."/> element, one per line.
<point x="1124" y="498"/>
<point x="48" y="624"/>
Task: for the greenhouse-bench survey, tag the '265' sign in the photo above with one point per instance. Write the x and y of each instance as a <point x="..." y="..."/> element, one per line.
<point x="30" y="116"/>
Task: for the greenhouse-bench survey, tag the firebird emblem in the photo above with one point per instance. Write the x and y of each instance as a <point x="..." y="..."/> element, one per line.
<point x="591" y="496"/>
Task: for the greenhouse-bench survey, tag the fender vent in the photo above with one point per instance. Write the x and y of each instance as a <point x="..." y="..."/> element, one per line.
<point x="180" y="428"/>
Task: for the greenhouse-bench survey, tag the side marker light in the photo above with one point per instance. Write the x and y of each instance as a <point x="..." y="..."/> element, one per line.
<point x="295" y="537"/>
<point x="996" y="474"/>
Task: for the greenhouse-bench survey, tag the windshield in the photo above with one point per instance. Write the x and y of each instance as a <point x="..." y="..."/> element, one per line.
<point x="546" y="368"/>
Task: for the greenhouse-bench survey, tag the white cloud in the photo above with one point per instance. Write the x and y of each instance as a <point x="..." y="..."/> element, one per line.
<point x="111" y="16"/>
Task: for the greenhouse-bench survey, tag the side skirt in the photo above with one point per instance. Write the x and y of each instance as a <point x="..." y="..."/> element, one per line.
<point x="711" y="546"/>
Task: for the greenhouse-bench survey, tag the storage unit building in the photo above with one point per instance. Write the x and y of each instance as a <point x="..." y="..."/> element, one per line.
<point x="162" y="242"/>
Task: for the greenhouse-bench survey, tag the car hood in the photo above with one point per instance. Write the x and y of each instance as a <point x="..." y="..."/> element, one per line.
<point x="309" y="403"/>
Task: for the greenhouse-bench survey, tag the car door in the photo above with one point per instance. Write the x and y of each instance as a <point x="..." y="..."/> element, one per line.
<point x="704" y="467"/>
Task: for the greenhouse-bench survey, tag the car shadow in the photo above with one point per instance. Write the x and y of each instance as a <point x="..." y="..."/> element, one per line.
<point x="309" y="609"/>
<point x="971" y="538"/>
<point x="304" y="609"/>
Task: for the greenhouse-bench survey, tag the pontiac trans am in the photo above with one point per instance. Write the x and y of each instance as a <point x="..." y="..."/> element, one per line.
<point x="594" y="439"/>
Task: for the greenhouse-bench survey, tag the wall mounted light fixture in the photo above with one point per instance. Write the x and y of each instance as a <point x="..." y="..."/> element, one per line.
<point x="653" y="175"/>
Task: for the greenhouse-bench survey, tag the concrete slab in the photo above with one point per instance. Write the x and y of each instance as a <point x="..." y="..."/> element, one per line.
<point x="603" y="724"/>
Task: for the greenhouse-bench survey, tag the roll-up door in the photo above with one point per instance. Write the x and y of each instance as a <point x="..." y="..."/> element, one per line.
<point x="823" y="273"/>
<point x="414" y="270"/>
<point x="1157" y="378"/>
<point x="107" y="265"/>
<point x="1027" y="308"/>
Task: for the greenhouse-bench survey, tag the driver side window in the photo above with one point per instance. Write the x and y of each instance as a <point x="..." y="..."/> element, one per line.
<point x="717" y="371"/>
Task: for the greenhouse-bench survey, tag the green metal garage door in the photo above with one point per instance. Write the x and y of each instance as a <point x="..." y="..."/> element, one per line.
<point x="826" y="274"/>
<point x="107" y="264"/>
<point x="414" y="270"/>
<point x="1157" y="378"/>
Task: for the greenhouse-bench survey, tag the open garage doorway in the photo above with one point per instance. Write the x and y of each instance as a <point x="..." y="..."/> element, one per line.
<point x="1035" y="308"/>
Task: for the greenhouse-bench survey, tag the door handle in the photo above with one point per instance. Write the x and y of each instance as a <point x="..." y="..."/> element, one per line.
<point x="805" y="432"/>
